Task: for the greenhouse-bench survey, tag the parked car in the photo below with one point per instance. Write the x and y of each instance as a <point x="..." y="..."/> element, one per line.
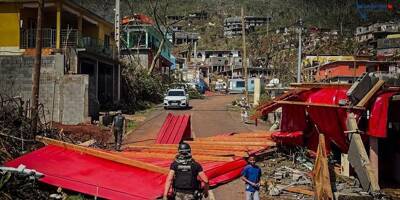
<point x="176" y="98"/>
<point x="220" y="85"/>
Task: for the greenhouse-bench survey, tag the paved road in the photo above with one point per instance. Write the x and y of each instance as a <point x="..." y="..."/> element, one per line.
<point x="210" y="116"/>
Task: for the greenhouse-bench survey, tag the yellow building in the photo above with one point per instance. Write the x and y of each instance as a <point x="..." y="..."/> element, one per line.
<point x="84" y="40"/>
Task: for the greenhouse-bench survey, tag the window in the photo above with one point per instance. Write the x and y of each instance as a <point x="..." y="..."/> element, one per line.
<point x="240" y="84"/>
<point x="176" y="93"/>
<point x="137" y="39"/>
<point x="106" y="41"/>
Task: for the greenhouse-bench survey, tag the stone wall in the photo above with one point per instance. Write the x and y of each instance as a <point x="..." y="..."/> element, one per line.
<point x="57" y="91"/>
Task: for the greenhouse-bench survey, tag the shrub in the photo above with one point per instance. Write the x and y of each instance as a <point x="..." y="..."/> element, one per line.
<point x="140" y="90"/>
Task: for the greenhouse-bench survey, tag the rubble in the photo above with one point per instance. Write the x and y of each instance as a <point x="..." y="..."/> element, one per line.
<point x="287" y="174"/>
<point x="81" y="133"/>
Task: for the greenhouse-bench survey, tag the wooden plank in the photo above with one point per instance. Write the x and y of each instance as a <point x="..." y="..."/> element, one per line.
<point x="358" y="158"/>
<point x="253" y="134"/>
<point x="233" y="139"/>
<point x="197" y="152"/>
<point x="319" y="105"/>
<point x="200" y="146"/>
<point x="299" y="190"/>
<point x="87" y="143"/>
<point x="268" y="137"/>
<point x="171" y="156"/>
<point x="371" y="93"/>
<point x="321" y="179"/>
<point x="104" y="155"/>
<point x="264" y="143"/>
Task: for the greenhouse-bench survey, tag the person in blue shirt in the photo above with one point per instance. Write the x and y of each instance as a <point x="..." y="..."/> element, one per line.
<point x="251" y="175"/>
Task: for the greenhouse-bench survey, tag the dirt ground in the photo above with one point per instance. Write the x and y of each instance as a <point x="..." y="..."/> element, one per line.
<point x="210" y="116"/>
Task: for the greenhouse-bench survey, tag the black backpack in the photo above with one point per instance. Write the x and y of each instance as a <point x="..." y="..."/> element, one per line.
<point x="186" y="177"/>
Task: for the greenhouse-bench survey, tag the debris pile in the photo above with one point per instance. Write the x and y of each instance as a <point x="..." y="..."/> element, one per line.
<point x="81" y="133"/>
<point x="287" y="174"/>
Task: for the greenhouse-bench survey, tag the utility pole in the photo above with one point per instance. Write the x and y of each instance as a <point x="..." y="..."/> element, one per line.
<point x="118" y="44"/>
<point x="244" y="60"/>
<point x="299" y="55"/>
<point x="36" y="69"/>
<point x="117" y="26"/>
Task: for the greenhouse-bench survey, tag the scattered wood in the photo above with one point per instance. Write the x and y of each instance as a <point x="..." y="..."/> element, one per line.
<point x="358" y="157"/>
<point x="171" y="156"/>
<point x="359" y="160"/>
<point x="299" y="190"/>
<point x="253" y="134"/>
<point x="263" y="143"/>
<point x="371" y="93"/>
<point x="88" y="143"/>
<point x="232" y="139"/>
<point x="321" y="179"/>
<point x="200" y="146"/>
<point x="196" y="152"/>
<point x="104" y="155"/>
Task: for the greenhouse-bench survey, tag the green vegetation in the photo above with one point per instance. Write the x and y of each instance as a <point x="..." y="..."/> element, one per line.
<point x="141" y="89"/>
<point x="131" y="125"/>
<point x="194" y="94"/>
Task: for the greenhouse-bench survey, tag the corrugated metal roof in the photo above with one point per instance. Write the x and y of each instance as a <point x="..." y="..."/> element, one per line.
<point x="175" y="129"/>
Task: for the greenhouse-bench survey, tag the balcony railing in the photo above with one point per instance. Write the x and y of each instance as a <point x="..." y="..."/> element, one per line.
<point x="28" y="38"/>
<point x="69" y="38"/>
<point x="97" y="46"/>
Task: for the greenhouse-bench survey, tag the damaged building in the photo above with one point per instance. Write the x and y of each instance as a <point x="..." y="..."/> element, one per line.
<point x="142" y="40"/>
<point x="233" y="25"/>
<point x="79" y="71"/>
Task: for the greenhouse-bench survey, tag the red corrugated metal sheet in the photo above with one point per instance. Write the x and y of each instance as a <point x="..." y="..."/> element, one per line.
<point x="288" y="138"/>
<point x="174" y="130"/>
<point x="107" y="179"/>
<point x="330" y="121"/>
<point x="293" y="118"/>
<point x="378" y="121"/>
<point x="91" y="175"/>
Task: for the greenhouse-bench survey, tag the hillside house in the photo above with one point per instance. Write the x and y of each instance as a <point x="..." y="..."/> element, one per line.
<point x="142" y="43"/>
<point x="77" y="44"/>
<point x="347" y="71"/>
<point x="233" y="25"/>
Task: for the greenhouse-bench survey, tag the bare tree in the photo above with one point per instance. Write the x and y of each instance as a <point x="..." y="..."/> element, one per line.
<point x="36" y="67"/>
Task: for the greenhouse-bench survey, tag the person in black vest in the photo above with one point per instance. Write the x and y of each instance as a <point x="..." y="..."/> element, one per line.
<point x="183" y="176"/>
<point x="118" y="129"/>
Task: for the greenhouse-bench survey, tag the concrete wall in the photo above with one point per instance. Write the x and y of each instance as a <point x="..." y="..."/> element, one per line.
<point x="64" y="97"/>
<point x="74" y="100"/>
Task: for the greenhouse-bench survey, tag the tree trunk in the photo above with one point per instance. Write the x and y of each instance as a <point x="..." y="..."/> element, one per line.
<point x="155" y="58"/>
<point x="36" y="68"/>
